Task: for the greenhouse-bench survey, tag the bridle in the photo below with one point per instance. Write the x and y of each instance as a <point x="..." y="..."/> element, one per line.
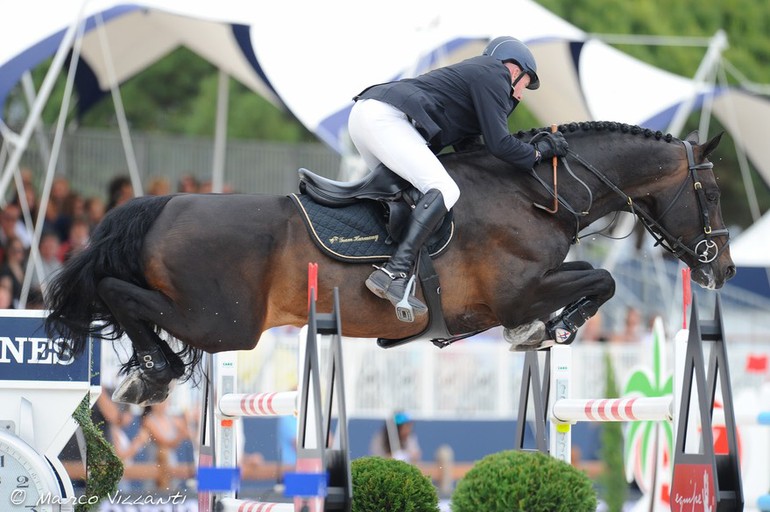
<point x="703" y="248"/>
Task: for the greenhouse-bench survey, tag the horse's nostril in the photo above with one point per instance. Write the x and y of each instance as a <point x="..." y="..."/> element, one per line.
<point x="730" y="273"/>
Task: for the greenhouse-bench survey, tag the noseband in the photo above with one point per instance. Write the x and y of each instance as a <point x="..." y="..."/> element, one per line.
<point x="705" y="249"/>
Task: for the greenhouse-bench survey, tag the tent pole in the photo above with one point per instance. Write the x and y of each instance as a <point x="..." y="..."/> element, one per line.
<point x="710" y="60"/>
<point x="120" y="112"/>
<point x="37" y="108"/>
<point x="743" y="161"/>
<point x="44" y="145"/>
<point x="33" y="263"/>
<point x="220" y="133"/>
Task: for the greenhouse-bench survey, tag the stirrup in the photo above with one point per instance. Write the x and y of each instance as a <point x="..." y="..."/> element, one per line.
<point x="404" y="310"/>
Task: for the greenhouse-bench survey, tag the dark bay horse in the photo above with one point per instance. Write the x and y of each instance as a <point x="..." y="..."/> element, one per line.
<point x="215" y="271"/>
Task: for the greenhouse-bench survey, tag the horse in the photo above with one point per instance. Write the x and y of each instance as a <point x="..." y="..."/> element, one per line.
<point x="215" y="271"/>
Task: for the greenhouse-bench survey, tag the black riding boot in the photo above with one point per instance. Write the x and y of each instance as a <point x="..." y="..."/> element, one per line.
<point x="390" y="281"/>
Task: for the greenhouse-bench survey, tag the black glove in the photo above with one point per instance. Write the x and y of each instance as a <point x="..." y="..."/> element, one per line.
<point x="554" y="144"/>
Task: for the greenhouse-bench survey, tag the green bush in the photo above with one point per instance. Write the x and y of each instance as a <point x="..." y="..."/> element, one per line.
<point x="512" y="481"/>
<point x="381" y="485"/>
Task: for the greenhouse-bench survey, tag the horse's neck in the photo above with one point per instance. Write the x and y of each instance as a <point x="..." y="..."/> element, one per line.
<point x="637" y="169"/>
<point x="637" y="175"/>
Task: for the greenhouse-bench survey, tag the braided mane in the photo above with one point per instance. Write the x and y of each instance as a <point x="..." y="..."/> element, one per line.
<point x="598" y="126"/>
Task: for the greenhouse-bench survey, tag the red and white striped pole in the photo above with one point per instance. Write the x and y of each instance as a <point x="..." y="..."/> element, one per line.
<point x="614" y="409"/>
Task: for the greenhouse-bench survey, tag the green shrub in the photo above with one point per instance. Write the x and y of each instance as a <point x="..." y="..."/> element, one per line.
<point x="512" y="481"/>
<point x="381" y="485"/>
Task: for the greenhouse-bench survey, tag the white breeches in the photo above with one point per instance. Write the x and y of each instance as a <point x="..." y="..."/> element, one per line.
<point x="383" y="134"/>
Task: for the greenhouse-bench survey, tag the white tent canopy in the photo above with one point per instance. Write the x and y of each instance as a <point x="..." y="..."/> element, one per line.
<point x="752" y="247"/>
<point x="582" y="78"/>
<point x="136" y="36"/>
<point x="309" y="57"/>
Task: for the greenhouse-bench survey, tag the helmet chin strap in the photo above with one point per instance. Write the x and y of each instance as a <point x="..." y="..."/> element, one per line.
<point x="522" y="74"/>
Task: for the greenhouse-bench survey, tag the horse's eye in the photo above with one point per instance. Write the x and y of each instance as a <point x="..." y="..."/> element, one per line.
<point x="712" y="196"/>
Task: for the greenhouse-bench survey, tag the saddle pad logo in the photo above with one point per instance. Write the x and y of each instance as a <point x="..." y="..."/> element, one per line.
<point x="337" y="239"/>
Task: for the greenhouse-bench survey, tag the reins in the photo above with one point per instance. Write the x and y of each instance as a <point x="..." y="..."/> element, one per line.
<point x="705" y="250"/>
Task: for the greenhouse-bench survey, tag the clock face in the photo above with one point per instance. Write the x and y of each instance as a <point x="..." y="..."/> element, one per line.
<point x="27" y="482"/>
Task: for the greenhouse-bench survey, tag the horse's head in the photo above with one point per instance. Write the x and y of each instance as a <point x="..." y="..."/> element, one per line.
<point x="685" y="217"/>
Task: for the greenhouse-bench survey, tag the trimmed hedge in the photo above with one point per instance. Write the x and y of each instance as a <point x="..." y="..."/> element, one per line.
<point x="381" y="485"/>
<point x="512" y="481"/>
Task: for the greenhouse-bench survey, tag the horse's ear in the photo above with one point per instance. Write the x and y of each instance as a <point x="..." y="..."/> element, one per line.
<point x="711" y="145"/>
<point x="693" y="137"/>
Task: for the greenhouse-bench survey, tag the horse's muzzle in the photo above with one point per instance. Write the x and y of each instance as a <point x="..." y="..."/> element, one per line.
<point x="711" y="276"/>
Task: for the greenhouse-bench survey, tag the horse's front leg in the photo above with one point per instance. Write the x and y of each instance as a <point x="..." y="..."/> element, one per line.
<point x="575" y="286"/>
<point x="154" y="364"/>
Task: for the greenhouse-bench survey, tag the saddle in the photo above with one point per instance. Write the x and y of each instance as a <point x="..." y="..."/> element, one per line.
<point x="361" y="221"/>
<point x="381" y="200"/>
<point x="381" y="185"/>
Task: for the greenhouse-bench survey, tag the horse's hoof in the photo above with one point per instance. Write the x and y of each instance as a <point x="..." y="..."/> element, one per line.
<point x="137" y="388"/>
<point x="531" y="336"/>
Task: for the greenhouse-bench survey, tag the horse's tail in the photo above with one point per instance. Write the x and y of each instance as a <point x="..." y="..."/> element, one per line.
<point x="114" y="250"/>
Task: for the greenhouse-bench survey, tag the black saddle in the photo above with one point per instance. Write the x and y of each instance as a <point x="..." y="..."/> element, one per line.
<point x="381" y="184"/>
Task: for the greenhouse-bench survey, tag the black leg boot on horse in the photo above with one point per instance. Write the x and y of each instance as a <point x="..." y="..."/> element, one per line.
<point x="151" y="383"/>
<point x="560" y="330"/>
<point x="392" y="281"/>
<point x="563" y="329"/>
<point x="154" y="365"/>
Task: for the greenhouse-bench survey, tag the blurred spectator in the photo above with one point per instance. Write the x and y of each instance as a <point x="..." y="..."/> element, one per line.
<point x="94" y="210"/>
<point x="167" y="432"/>
<point x="12" y="270"/>
<point x="72" y="208"/>
<point x="80" y="232"/>
<point x="60" y="189"/>
<point x="12" y="226"/>
<point x="117" y="417"/>
<point x="397" y="440"/>
<point x="159" y="187"/>
<point x="188" y="184"/>
<point x="6" y="297"/>
<point x="632" y="326"/>
<point x="30" y="191"/>
<point x="49" y="258"/>
<point x="119" y="191"/>
<point x="593" y="330"/>
<point x="115" y="421"/>
<point x="287" y="439"/>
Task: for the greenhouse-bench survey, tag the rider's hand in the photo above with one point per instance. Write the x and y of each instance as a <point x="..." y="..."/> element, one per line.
<point x="553" y="145"/>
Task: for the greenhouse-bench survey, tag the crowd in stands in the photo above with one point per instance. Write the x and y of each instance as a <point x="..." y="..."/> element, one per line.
<point x="68" y="221"/>
<point x="153" y="436"/>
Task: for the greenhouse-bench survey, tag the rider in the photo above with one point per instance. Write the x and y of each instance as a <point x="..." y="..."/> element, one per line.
<point x="404" y="124"/>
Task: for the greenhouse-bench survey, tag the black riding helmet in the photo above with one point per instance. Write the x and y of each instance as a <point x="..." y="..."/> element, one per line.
<point x="506" y="48"/>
